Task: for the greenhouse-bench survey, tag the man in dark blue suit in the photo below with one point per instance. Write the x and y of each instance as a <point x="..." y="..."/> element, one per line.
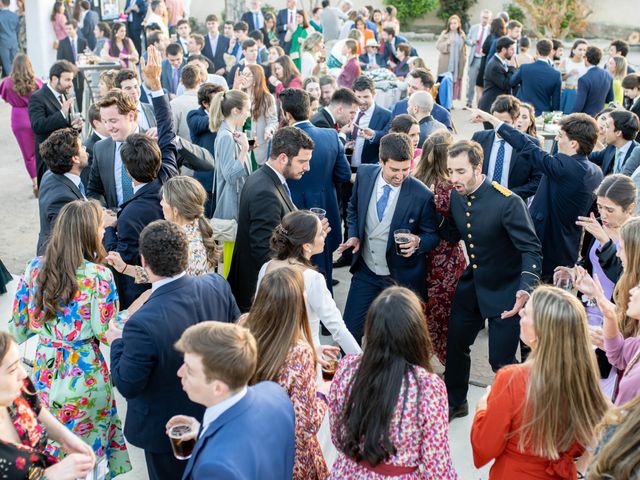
<point x="328" y="166"/>
<point x="215" y="45"/>
<point x="254" y="18"/>
<point x="149" y="164"/>
<point x="371" y="59"/>
<point x="385" y="199"/>
<point x="595" y="87"/>
<point x="620" y="47"/>
<point x="566" y="188"/>
<point x="420" y="79"/>
<point x="201" y="135"/>
<point x="89" y="22"/>
<point x="247" y="431"/>
<point x="144" y="363"/>
<point x="135" y="10"/>
<point x="539" y="82"/>
<point x="172" y="69"/>
<point x="621" y="130"/>
<point x="286" y="21"/>
<point x="502" y="162"/>
<point x="498" y="73"/>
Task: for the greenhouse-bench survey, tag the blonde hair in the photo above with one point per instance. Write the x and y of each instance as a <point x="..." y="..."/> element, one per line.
<point x="621" y="67"/>
<point x="311" y="42"/>
<point x="222" y="106"/>
<point x="564" y="402"/>
<point x="188" y="197"/>
<point x="630" y="237"/>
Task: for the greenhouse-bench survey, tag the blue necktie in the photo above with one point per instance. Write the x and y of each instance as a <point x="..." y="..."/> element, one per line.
<point x="617" y="165"/>
<point x="286" y="187"/>
<point x="381" y="205"/>
<point x="497" y="171"/>
<point x="82" y="189"/>
<point x="176" y="80"/>
<point x="127" y="185"/>
<point x="255" y="21"/>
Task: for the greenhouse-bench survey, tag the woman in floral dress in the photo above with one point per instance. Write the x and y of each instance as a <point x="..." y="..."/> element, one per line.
<point x="396" y="426"/>
<point x="278" y="321"/>
<point x="68" y="299"/>
<point x="446" y="262"/>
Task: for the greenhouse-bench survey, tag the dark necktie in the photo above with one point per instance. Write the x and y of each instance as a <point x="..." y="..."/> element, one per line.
<point x="354" y="132"/>
<point x="286" y="187"/>
<point x="82" y="189"/>
<point x="497" y="171"/>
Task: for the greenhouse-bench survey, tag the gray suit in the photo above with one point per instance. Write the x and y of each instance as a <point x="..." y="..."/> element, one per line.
<point x="474" y="61"/>
<point x="630" y="167"/>
<point x="147" y="108"/>
<point x="331" y="20"/>
<point x="9" y="24"/>
<point x="56" y="191"/>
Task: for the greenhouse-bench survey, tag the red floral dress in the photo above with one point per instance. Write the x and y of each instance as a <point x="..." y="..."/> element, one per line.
<point x="445" y="264"/>
<point x="27" y="460"/>
<point x="298" y="377"/>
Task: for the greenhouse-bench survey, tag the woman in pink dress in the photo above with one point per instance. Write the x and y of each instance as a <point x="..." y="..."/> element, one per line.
<point x="58" y="21"/>
<point x="388" y="410"/>
<point x="16" y="91"/>
<point x="446" y="262"/>
<point x="119" y="48"/>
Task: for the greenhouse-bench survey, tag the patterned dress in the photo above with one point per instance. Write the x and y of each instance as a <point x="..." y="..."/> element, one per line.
<point x="298" y="378"/>
<point x="70" y="374"/>
<point x="419" y="427"/>
<point x="27" y="459"/>
<point x="445" y="264"/>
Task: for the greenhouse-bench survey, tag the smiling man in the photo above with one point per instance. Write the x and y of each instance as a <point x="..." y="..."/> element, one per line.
<point x="264" y="200"/>
<point x="386" y="199"/>
<point x="504" y="264"/>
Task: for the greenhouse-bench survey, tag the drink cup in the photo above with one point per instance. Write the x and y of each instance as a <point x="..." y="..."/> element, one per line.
<point x="183" y="440"/>
<point x="330" y="371"/>
<point x="321" y="213"/>
<point x="401" y="236"/>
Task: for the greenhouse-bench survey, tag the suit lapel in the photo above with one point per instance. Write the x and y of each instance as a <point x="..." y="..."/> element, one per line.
<point x="402" y="206"/>
<point x="71" y="186"/>
<point x="487" y="147"/>
<point x="279" y="187"/>
<point x="110" y="171"/>
<point x="51" y="99"/>
<point x="363" y="203"/>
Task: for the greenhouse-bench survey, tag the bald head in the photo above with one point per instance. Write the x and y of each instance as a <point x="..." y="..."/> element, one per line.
<point x="420" y="104"/>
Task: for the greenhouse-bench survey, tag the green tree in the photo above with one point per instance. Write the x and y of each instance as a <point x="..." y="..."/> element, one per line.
<point x="412" y="9"/>
<point x="456" y="7"/>
<point x="556" y="18"/>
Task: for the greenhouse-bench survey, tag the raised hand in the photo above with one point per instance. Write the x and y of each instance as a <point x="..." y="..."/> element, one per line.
<point x="152" y="69"/>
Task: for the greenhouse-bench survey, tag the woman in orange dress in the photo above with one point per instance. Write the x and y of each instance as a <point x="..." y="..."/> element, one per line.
<point x="540" y="416"/>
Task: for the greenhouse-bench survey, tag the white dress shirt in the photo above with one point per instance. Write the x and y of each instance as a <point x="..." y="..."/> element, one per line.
<point x="165" y="281"/>
<point x="508" y="153"/>
<point x="280" y="176"/>
<point x="380" y="190"/>
<point x="356" y="159"/>
<point x="143" y="121"/>
<point x="212" y="413"/>
<point x="55" y="93"/>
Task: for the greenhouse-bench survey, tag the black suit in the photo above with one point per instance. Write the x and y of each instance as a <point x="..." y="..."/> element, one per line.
<point x="46" y="118"/>
<point x="88" y="145"/>
<point x="216" y="57"/>
<point x="56" y="191"/>
<point x="523" y="179"/>
<point x="606" y="158"/>
<point x="496" y="82"/>
<point x="323" y="119"/>
<point x="65" y="52"/>
<point x="248" y="17"/>
<point x="263" y="203"/>
<point x="144" y="363"/>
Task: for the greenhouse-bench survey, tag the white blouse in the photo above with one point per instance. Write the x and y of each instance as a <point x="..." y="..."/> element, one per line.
<point x="321" y="307"/>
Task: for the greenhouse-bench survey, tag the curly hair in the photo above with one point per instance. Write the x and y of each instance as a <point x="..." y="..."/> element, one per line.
<point x="59" y="148"/>
<point x="23" y="76"/>
<point x="165" y="248"/>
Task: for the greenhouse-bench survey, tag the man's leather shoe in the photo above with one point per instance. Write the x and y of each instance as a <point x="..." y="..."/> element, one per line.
<point x="341" y="262"/>
<point x="460" y="411"/>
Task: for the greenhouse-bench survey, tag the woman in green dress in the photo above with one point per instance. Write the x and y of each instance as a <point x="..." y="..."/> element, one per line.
<point x="297" y="37"/>
<point x="68" y="298"/>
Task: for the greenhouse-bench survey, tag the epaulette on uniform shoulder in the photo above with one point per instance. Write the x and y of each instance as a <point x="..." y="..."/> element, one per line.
<point x="502" y="189"/>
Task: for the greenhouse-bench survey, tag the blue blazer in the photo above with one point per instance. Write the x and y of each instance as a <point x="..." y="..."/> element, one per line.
<point x="316" y="187"/>
<point x="198" y="122"/>
<point x="415" y="210"/>
<point x="216" y="57"/>
<point x="282" y="20"/>
<point x="540" y="85"/>
<point x="379" y="120"/>
<point x="440" y="113"/>
<point x="523" y="178"/>
<point x="166" y="76"/>
<point x="565" y="192"/>
<point x="595" y="89"/>
<point x="606" y="158"/>
<point x="252" y="440"/>
<point x="144" y="363"/>
<point x="364" y="60"/>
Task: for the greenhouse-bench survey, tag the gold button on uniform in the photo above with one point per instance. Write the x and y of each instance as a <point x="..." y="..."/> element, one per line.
<point x="468" y="225"/>
<point x="471" y="245"/>
<point x="475" y="266"/>
<point x="469" y="235"/>
<point x="468" y="214"/>
<point x="469" y="204"/>
<point x="472" y="255"/>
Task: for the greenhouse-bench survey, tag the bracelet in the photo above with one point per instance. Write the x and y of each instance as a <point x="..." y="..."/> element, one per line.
<point x="125" y="267"/>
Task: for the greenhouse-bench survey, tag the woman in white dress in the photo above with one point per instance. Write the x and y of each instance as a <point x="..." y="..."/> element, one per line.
<point x="294" y="241"/>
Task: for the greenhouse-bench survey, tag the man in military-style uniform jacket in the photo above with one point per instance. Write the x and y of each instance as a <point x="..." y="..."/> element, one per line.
<point x="505" y="259"/>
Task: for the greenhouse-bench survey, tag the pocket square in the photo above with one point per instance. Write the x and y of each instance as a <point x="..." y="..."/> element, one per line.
<point x="411" y="220"/>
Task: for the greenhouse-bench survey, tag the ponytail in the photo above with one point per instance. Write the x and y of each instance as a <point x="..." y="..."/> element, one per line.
<point x="222" y="106"/>
<point x="210" y="245"/>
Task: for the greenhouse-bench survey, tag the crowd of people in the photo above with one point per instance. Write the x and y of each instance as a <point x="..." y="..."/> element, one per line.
<point x="192" y="222"/>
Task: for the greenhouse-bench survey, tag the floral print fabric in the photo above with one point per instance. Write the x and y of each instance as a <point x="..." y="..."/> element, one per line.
<point x="70" y="373"/>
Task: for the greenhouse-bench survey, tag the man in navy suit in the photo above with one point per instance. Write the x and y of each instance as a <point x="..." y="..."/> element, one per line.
<point x="566" y="188"/>
<point x="371" y="59"/>
<point x="502" y="163"/>
<point x="144" y="363"/>
<point x="172" y="69"/>
<point x="286" y="21"/>
<point x="595" y="87"/>
<point x="136" y="11"/>
<point x="539" y="82"/>
<point x="9" y="25"/>
<point x="215" y="45"/>
<point x="149" y="163"/>
<point x="498" y="73"/>
<point x="254" y="18"/>
<point x="328" y="166"/>
<point x="89" y="22"/>
<point x="621" y="130"/>
<point x="68" y="49"/>
<point x="385" y="199"/>
<point x="420" y="79"/>
<point x="66" y="158"/>
<point x="247" y="431"/>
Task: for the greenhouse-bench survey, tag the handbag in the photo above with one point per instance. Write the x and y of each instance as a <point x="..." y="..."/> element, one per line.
<point x="224" y="230"/>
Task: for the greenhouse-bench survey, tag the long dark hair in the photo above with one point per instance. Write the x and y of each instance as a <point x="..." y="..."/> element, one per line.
<point x="296" y="229"/>
<point x="262" y="98"/>
<point x="432" y="167"/>
<point x="498" y="27"/>
<point x="396" y="343"/>
<point x="289" y="70"/>
<point x="114" y="51"/>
